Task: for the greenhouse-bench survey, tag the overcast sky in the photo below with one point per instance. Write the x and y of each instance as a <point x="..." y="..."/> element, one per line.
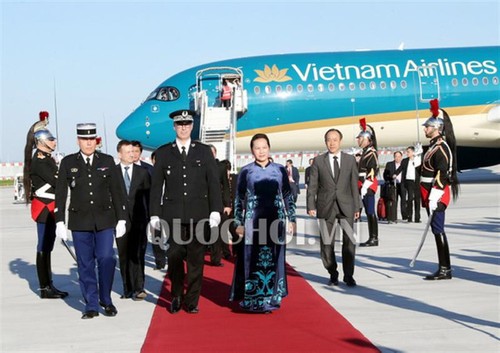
<point x="101" y="59"/>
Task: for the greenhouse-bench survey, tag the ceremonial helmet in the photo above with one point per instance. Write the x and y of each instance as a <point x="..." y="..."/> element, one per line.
<point x="43" y="135"/>
<point x="366" y="131"/>
<point x="436" y="120"/>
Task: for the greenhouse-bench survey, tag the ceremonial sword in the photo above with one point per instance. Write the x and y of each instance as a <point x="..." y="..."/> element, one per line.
<point x="426" y="230"/>
<point x="71" y="252"/>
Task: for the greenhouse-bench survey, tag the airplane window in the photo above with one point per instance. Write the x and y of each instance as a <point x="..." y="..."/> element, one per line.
<point x="152" y="95"/>
<point x="465" y="82"/>
<point x="310" y="87"/>
<point x="267" y="89"/>
<point x="454" y="82"/>
<point x="278" y="89"/>
<point x="321" y="88"/>
<point x="289" y="88"/>
<point x="168" y="94"/>
<point x="495" y="80"/>
<point x="373" y="85"/>
<point x="352" y="86"/>
<point x="341" y="86"/>
<point x="403" y="84"/>
<point x="393" y="84"/>
<point x="362" y="86"/>
<point x="300" y="88"/>
<point x="475" y="81"/>
<point x="485" y="81"/>
<point x="256" y="89"/>
<point x="331" y="87"/>
<point x="383" y="85"/>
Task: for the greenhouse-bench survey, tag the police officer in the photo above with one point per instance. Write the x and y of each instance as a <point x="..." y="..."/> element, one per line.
<point x="368" y="183"/>
<point x="95" y="206"/>
<point x="189" y="174"/>
<point x="39" y="180"/>
<point x="439" y="180"/>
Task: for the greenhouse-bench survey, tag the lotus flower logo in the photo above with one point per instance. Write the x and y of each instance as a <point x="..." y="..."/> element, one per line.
<point x="272" y="74"/>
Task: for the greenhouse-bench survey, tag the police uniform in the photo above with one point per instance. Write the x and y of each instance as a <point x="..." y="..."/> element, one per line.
<point x="191" y="193"/>
<point x="95" y="206"/>
<point x="368" y="169"/>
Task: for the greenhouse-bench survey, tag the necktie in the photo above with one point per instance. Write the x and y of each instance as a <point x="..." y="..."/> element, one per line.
<point x="184" y="154"/>
<point x="88" y="163"/>
<point x="127" y="179"/>
<point x="336" y="168"/>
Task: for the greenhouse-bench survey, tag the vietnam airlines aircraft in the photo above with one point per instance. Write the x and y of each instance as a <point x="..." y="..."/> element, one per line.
<point x="295" y="98"/>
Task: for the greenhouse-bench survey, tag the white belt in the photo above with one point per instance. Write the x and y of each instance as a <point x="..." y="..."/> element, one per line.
<point x="429" y="180"/>
<point x="362" y="174"/>
<point x="42" y="192"/>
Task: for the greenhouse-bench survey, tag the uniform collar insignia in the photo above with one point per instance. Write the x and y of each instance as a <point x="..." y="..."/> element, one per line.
<point x="74" y="170"/>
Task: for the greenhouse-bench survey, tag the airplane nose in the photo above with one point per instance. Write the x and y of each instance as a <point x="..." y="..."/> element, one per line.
<point x="128" y="128"/>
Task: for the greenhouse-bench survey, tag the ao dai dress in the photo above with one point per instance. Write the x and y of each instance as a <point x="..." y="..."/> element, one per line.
<point x="263" y="202"/>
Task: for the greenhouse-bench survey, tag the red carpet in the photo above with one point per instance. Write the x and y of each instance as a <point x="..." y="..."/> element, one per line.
<point x="305" y="322"/>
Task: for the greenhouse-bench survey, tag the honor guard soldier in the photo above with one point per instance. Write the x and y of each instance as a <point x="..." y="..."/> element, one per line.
<point x="39" y="180"/>
<point x="439" y="180"/>
<point x="368" y="183"/>
<point x="96" y="211"/>
<point x="187" y="171"/>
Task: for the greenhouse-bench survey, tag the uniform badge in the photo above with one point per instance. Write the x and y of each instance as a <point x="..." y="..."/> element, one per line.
<point x="102" y="169"/>
<point x="74" y="170"/>
<point x="168" y="172"/>
<point x="73" y="183"/>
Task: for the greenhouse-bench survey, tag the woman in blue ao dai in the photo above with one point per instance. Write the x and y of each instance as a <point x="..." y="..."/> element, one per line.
<point x="263" y="203"/>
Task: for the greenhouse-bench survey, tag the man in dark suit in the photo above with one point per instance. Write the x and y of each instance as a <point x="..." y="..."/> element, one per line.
<point x="159" y="253"/>
<point x="307" y="173"/>
<point x="411" y="181"/>
<point x="333" y="195"/>
<point x="293" y="178"/>
<point x="135" y="185"/>
<point x="220" y="248"/>
<point x="393" y="175"/>
<point x="137" y="152"/>
<point x="96" y="204"/>
<point x="188" y="173"/>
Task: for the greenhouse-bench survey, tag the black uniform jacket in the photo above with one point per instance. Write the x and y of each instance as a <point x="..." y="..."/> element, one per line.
<point x="43" y="172"/>
<point x="192" y="188"/>
<point x="137" y="200"/>
<point x="96" y="201"/>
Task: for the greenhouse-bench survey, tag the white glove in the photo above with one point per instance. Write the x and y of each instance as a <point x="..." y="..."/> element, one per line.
<point x="365" y="187"/>
<point x="214" y="219"/>
<point x="434" y="198"/>
<point x="418" y="148"/>
<point x="120" y="229"/>
<point x="155" y="222"/>
<point x="61" y="231"/>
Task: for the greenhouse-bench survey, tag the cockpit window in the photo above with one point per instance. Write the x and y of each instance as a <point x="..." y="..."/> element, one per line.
<point x="168" y="94"/>
<point x="164" y="94"/>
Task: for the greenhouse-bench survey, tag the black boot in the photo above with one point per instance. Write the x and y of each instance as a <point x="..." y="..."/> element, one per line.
<point x="372" y="230"/>
<point x="49" y="271"/>
<point x="46" y="291"/>
<point x="444" y="271"/>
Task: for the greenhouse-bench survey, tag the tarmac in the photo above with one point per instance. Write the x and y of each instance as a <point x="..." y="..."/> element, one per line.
<point x="392" y="305"/>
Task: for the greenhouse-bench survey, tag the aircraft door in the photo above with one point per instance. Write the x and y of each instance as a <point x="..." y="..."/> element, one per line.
<point x="211" y="85"/>
<point x="428" y="83"/>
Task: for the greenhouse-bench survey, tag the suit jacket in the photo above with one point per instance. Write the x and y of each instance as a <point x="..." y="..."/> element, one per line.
<point x="137" y="200"/>
<point x="192" y="188"/>
<point x="96" y="201"/>
<point x="147" y="166"/>
<point x="323" y="192"/>
<point x="390" y="170"/>
<point x="404" y="168"/>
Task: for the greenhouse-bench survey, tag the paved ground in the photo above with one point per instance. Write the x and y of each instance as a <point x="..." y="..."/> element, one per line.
<point x="391" y="305"/>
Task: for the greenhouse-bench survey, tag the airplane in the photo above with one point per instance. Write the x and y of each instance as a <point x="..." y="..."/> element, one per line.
<point x="295" y="98"/>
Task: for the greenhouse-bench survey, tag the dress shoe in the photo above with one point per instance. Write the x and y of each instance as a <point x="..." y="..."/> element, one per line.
<point x="109" y="310"/>
<point x="176" y="304"/>
<point x="60" y="292"/>
<point x="141" y="295"/>
<point x="334" y="281"/>
<point x="370" y="242"/>
<point x="159" y="267"/>
<point x="50" y="293"/>
<point x="90" y="314"/>
<point x="442" y="273"/>
<point x="350" y="282"/>
<point x="192" y="310"/>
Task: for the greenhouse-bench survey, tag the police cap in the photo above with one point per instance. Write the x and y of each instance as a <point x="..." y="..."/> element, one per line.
<point x="183" y="116"/>
<point x="86" y="130"/>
